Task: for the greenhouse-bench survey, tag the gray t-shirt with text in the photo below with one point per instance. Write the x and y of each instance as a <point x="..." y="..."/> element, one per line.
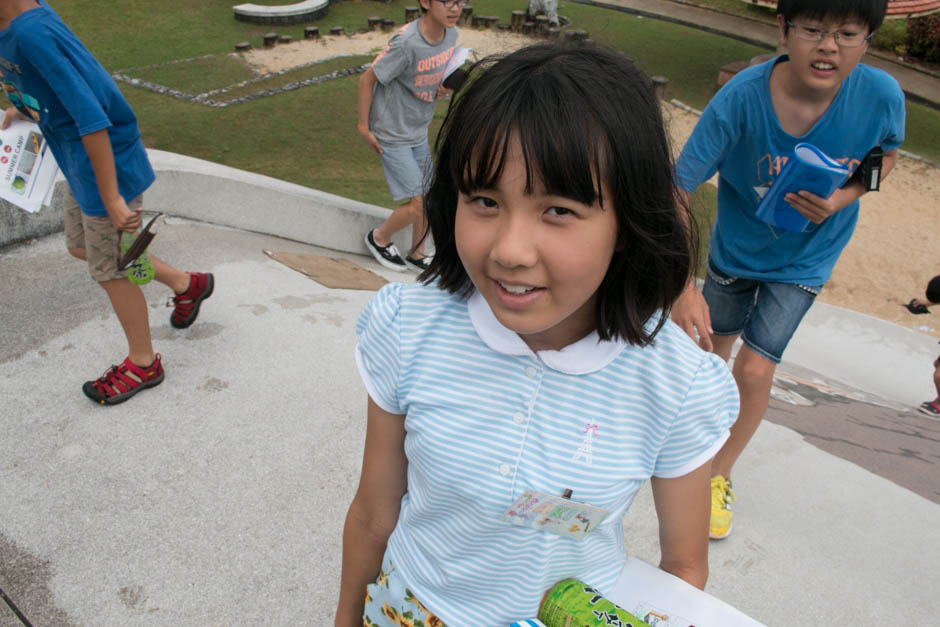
<point x="409" y="71"/>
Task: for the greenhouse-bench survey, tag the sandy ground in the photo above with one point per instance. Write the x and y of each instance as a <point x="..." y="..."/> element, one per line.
<point x="892" y="255"/>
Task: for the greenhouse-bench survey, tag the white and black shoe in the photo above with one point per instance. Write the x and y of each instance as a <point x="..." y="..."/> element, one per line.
<point x="417" y="264"/>
<point x="387" y="255"/>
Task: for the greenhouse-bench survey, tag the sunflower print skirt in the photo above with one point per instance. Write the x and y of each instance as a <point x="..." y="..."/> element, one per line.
<point x="389" y="602"/>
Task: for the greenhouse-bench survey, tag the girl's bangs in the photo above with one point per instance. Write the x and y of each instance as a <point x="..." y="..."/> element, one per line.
<point x="554" y="137"/>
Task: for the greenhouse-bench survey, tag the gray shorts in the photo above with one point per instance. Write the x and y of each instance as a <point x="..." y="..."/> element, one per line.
<point x="97" y="236"/>
<point x="407" y="170"/>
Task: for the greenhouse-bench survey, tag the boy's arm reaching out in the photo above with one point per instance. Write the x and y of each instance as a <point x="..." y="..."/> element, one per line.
<point x="374" y="511"/>
<point x="683" y="508"/>
<point x="816" y="209"/>
<point x="101" y="155"/>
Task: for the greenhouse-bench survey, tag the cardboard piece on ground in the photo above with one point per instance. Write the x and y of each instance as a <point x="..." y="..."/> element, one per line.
<point x="330" y="272"/>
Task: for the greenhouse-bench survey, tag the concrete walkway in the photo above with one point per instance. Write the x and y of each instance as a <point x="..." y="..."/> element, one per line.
<point x="918" y="85"/>
<point x="218" y="498"/>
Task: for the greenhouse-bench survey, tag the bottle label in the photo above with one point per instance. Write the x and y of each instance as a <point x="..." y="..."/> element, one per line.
<point x="141" y="271"/>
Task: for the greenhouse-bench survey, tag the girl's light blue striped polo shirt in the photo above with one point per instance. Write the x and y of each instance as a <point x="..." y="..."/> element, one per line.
<point x="487" y="419"/>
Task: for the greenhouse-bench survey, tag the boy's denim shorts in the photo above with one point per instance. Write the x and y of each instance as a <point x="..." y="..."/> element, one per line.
<point x="764" y="314"/>
<point x="407" y="170"/>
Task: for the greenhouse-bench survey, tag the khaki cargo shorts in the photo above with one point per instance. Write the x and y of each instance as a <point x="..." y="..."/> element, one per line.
<point x="97" y="236"/>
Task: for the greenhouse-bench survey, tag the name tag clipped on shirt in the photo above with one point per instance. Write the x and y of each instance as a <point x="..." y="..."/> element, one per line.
<point x="554" y="514"/>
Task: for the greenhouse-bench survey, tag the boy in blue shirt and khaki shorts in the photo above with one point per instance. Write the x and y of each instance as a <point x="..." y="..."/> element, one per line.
<point x="761" y="279"/>
<point x="51" y="78"/>
<point x="396" y="104"/>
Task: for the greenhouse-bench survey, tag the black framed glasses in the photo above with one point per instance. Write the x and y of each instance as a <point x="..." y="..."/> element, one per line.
<point x="845" y="38"/>
<point x="450" y="4"/>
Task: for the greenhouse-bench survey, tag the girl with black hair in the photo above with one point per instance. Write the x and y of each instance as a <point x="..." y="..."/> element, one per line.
<point x="521" y="394"/>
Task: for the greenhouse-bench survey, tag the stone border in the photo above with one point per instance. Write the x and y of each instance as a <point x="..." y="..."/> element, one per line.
<point x="205" y="98"/>
<point x="285" y="14"/>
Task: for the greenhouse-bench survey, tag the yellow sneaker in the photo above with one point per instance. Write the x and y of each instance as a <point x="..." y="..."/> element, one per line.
<point x="719" y="527"/>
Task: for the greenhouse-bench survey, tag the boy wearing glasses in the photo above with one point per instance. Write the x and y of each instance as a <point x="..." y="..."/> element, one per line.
<point x="396" y="103"/>
<point x="761" y="279"/>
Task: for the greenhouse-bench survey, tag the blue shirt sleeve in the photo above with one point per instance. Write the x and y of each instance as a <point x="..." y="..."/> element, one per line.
<point x="706" y="147"/>
<point x="895" y="114"/>
<point x="75" y="94"/>
<point x="378" y="353"/>
<point x="702" y="425"/>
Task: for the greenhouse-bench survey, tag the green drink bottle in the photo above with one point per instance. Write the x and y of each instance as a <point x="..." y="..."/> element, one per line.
<point x="140" y="271"/>
<point x="135" y="261"/>
<point x="573" y="603"/>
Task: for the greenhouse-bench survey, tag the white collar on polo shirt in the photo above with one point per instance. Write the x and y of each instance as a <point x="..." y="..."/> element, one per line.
<point x="587" y="355"/>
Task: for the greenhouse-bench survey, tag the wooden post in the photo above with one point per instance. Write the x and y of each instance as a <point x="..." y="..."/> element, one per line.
<point x="541" y="25"/>
<point x="476" y="21"/>
<point x="270" y="40"/>
<point x="411" y="14"/>
<point x="311" y="32"/>
<point x="491" y="21"/>
<point x="337" y="30"/>
<point x="575" y="37"/>
<point x="375" y="23"/>
<point x="504" y="27"/>
<point x="466" y="16"/>
<point x="528" y="28"/>
<point x="242" y="46"/>
<point x="659" y="86"/>
<point x="285" y="39"/>
<point x="388" y="24"/>
<point x="517" y="20"/>
<point x="553" y="33"/>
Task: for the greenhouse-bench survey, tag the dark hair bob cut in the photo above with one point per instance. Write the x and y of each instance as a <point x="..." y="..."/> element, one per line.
<point x="870" y="12"/>
<point x="589" y="125"/>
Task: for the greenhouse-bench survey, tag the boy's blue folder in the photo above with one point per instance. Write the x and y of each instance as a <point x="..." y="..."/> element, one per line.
<point x="808" y="168"/>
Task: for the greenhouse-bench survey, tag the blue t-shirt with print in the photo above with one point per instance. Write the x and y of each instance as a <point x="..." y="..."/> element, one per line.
<point x="740" y="138"/>
<point x="52" y="78"/>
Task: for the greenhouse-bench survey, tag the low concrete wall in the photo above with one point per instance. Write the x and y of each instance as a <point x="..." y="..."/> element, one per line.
<point x="17" y="225"/>
<point x="209" y="192"/>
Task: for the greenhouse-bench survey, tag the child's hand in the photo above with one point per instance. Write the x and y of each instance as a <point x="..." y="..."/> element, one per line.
<point x="10" y="114"/>
<point x="369" y="138"/>
<point x="690" y="312"/>
<point x="441" y="91"/>
<point x="816" y="208"/>
<point x="122" y="217"/>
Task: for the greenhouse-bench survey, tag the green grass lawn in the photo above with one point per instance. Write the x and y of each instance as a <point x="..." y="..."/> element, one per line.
<point x="308" y="136"/>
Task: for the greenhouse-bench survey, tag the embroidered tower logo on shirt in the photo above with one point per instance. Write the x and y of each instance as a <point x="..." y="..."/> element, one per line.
<point x="586" y="449"/>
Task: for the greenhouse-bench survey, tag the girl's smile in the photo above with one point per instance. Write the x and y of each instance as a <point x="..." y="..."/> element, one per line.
<point x="537" y="259"/>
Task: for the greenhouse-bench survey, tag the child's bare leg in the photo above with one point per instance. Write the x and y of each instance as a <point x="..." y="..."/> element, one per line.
<point x="418" y="228"/>
<point x="402" y="216"/>
<point x="176" y="280"/>
<point x="130" y="306"/>
<point x="754" y="375"/>
<point x="722" y="344"/>
<point x="936" y="379"/>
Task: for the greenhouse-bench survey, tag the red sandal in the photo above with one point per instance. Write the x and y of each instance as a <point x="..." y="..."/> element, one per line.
<point x="186" y="305"/>
<point x="119" y="383"/>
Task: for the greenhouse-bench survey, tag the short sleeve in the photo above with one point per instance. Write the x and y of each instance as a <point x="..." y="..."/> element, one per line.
<point x="394" y="60"/>
<point x="378" y="353"/>
<point x="706" y="147"/>
<point x="702" y="425"/>
<point x="75" y="94"/>
<point x="895" y="117"/>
